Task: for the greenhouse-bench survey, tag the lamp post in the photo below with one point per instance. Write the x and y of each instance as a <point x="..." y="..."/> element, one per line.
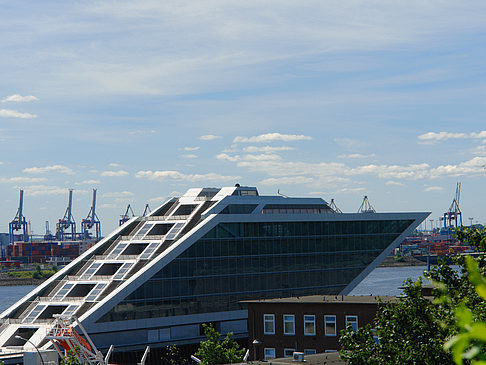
<point x="26" y="340"/>
<point x="256" y="343"/>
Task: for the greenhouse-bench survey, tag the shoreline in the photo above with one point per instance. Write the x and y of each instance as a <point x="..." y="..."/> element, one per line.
<point x="407" y="261"/>
<point x="7" y="280"/>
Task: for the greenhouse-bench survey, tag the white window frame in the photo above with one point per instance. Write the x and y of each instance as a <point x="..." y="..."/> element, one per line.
<point x="310" y="351"/>
<point x="350" y="320"/>
<point x="309" y="320"/>
<point x="289" y="321"/>
<point x="288" y="350"/>
<point x="268" y="318"/>
<point x="266" y="352"/>
<point x="326" y="317"/>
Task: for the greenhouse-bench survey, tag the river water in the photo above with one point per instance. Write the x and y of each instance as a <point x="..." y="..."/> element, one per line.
<point x="381" y="281"/>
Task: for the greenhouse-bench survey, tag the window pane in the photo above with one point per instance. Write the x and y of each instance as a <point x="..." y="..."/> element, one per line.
<point x="309" y="325"/>
<point x="330" y="325"/>
<point x="289" y="324"/>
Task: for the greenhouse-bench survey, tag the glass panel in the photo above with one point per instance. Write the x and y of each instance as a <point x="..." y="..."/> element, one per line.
<point x="289" y="324"/>
<point x="330" y="325"/>
<point x="34" y="313"/>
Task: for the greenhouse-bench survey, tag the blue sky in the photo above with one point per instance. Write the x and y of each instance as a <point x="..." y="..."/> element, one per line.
<point x="145" y="99"/>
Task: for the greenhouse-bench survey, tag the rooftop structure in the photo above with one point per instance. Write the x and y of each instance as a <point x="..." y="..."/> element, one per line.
<point x="194" y="259"/>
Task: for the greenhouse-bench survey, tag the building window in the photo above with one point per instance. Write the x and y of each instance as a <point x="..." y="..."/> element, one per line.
<point x="289" y="324"/>
<point x="269" y="324"/>
<point x="352" y="321"/>
<point x="310" y="351"/>
<point x="309" y="325"/>
<point x="269" y="353"/>
<point x="289" y="352"/>
<point x="330" y="325"/>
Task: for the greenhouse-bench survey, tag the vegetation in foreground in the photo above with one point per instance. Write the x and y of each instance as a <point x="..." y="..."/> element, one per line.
<point x="446" y="329"/>
<point x="38" y="273"/>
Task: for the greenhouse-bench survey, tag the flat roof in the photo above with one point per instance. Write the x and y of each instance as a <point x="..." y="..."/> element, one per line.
<point x="358" y="299"/>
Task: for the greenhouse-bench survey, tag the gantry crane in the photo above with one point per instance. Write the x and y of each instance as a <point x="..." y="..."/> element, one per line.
<point x="67" y="222"/>
<point x="146" y="210"/>
<point x="453" y="217"/>
<point x="19" y="222"/>
<point x="125" y="217"/>
<point x="91" y="221"/>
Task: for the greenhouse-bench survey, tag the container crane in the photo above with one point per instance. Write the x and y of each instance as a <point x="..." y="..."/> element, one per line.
<point x="453" y="217"/>
<point x="146" y="210"/>
<point x="67" y="222"/>
<point x="125" y="217"/>
<point x="19" y="222"/>
<point x="91" y="221"/>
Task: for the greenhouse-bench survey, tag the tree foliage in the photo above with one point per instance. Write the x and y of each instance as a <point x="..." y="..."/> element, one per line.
<point x="171" y="355"/>
<point x="415" y="329"/>
<point x="214" y="351"/>
<point x="70" y="358"/>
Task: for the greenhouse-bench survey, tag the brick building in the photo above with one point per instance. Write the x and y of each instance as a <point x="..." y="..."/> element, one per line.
<point x="308" y="324"/>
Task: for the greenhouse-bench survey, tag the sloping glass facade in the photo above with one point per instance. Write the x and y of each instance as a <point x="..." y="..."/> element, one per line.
<point x="242" y="261"/>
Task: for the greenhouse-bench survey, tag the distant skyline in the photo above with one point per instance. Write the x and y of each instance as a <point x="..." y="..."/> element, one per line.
<point x="143" y="100"/>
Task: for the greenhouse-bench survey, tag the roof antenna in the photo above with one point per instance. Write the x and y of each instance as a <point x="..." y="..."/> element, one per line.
<point x="334" y="207"/>
<point x="279" y="193"/>
<point x="366" y="206"/>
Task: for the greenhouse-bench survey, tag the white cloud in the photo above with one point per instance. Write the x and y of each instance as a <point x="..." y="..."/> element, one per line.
<point x="22" y="179"/>
<point x="271" y="137"/>
<point x="157" y="199"/>
<point x="394" y="183"/>
<point x="115" y="173"/>
<point x="20" y="99"/>
<point x="209" y="137"/>
<point x="118" y="194"/>
<point x="176" y="175"/>
<point x="141" y="132"/>
<point x="357" y="156"/>
<point x="88" y="182"/>
<point x="260" y="157"/>
<point x="39" y="190"/>
<point x="267" y="149"/>
<point x="435" y="137"/>
<point x="189" y="155"/>
<point x="44" y="169"/>
<point x="289" y="180"/>
<point x="9" y="113"/>
<point x="191" y="148"/>
<point x="434" y="188"/>
<point x="351" y="190"/>
<point x="113" y="164"/>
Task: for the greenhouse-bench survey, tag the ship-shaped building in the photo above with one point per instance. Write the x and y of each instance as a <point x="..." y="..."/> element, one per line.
<point x="194" y="259"/>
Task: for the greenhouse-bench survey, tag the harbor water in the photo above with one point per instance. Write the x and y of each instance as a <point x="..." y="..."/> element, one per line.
<point x="381" y="281"/>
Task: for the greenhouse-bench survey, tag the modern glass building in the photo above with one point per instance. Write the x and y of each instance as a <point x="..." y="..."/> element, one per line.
<point x="193" y="260"/>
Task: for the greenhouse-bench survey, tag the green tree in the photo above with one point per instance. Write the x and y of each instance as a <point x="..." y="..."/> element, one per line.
<point x="408" y="332"/>
<point x="415" y="329"/>
<point x="70" y="358"/>
<point x="214" y="351"/>
<point x="171" y="355"/>
<point x="37" y="272"/>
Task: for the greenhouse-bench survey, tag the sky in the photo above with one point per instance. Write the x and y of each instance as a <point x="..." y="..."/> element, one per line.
<point x="334" y="99"/>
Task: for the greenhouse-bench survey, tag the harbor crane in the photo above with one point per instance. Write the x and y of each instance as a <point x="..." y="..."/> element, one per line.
<point x="19" y="222"/>
<point x="366" y="206"/>
<point x="67" y="222"/>
<point x="146" y="210"/>
<point x="125" y="217"/>
<point x="453" y="217"/>
<point x="91" y="221"/>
